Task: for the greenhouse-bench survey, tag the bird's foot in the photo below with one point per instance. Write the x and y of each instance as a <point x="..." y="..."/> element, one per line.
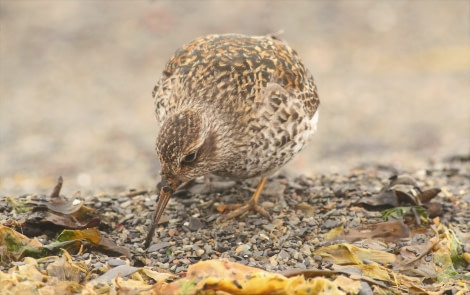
<point x="240" y="209"/>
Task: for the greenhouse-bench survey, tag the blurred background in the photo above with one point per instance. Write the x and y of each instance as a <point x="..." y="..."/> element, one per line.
<point x="76" y="79"/>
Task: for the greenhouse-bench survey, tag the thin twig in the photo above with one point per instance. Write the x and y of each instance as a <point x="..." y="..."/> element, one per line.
<point x="56" y="192"/>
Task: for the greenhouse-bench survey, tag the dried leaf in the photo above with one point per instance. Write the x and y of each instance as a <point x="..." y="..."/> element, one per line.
<point x="90" y="234"/>
<point x="156" y="276"/>
<point x="350" y="254"/>
<point x="60" y="213"/>
<point x="395" y="194"/>
<point x="385" y="198"/>
<point x="84" y="217"/>
<point x="22" y="279"/>
<point x="18" y="246"/>
<point x="403" y="179"/>
<point x="446" y="256"/>
<point x="63" y="287"/>
<point x="348" y="285"/>
<point x="63" y="270"/>
<point x="235" y="278"/>
<point x="93" y="236"/>
<point x="433" y="209"/>
<point x="109" y="246"/>
<point x="334" y="233"/>
<point x="429" y="194"/>
<point x="391" y="231"/>
<point x="374" y="271"/>
<point x="65" y="206"/>
<point x="406" y="198"/>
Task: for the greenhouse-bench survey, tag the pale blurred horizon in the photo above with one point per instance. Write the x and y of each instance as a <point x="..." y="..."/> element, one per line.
<point x="76" y="80"/>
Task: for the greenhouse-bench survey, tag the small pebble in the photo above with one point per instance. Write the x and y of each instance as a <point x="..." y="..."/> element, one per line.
<point x="330" y="223"/>
<point x="126" y="204"/>
<point x="267" y="205"/>
<point x="317" y="258"/>
<point x="283" y="254"/>
<point x="158" y="246"/>
<point x="195" y="224"/>
<point x="305" y="250"/>
<point x="115" y="262"/>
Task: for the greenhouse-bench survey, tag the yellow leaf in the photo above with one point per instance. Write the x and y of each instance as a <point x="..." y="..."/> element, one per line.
<point x="374" y="271"/>
<point x="238" y="279"/>
<point x="350" y="254"/>
<point x="334" y="233"/>
<point x="91" y="234"/>
<point x="350" y="286"/>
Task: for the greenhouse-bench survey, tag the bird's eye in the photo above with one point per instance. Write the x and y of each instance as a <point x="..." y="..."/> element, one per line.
<point x="189" y="158"/>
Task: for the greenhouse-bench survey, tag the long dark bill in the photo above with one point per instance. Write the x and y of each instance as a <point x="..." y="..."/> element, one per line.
<point x="165" y="195"/>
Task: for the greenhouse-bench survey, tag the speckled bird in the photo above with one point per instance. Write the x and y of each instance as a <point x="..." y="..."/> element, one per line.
<point x="233" y="105"/>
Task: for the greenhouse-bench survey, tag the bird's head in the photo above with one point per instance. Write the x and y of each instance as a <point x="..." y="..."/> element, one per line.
<point x="186" y="147"/>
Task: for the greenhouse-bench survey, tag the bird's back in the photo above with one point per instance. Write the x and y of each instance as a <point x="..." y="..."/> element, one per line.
<point x="226" y="69"/>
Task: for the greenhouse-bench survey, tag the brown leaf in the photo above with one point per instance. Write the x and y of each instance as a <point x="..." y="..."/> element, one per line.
<point x="385" y="198"/>
<point x="433" y="209"/>
<point x="68" y="221"/>
<point x="415" y="259"/>
<point x="109" y="246"/>
<point x="429" y="194"/>
<point x="407" y="198"/>
<point x="57" y="213"/>
<point x="391" y="231"/>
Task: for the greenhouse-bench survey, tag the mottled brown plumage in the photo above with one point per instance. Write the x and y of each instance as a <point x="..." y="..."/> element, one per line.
<point x="233" y="105"/>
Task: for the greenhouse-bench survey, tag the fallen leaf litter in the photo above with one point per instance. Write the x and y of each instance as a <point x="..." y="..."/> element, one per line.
<point x="327" y="233"/>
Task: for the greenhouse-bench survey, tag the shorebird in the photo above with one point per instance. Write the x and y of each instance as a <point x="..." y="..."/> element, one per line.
<point x="232" y="105"/>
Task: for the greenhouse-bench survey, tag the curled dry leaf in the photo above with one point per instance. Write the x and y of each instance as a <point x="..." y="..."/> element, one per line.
<point x="403" y="179"/>
<point x="391" y="231"/>
<point x="384" y="199"/>
<point x="395" y="194"/>
<point x="429" y="194"/>
<point x="56" y="213"/>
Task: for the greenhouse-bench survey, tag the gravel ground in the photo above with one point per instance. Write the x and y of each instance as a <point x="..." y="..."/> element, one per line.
<point x="304" y="210"/>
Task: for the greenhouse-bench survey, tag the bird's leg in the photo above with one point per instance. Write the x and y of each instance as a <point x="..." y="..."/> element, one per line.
<point x="251" y="205"/>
